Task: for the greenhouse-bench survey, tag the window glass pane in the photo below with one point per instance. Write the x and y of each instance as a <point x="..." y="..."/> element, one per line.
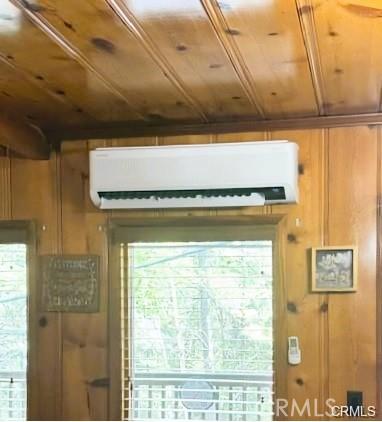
<point x="201" y="343"/>
<point x="13" y="331"/>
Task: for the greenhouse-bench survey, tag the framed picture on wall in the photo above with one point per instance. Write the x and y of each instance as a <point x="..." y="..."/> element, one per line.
<point x="334" y="269"/>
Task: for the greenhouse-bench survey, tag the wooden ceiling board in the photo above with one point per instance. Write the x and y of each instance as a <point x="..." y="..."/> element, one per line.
<point x="268" y="37"/>
<point x="349" y="36"/>
<point x="306" y="16"/>
<point x="78" y="65"/>
<point x="185" y="38"/>
<point x="95" y="32"/>
<point x="45" y="62"/>
<point x="26" y="100"/>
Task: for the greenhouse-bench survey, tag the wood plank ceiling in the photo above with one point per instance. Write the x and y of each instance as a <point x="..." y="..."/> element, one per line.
<point x="91" y="63"/>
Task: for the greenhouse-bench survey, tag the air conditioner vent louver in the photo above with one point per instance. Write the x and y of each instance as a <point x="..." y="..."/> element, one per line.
<point x="269" y="193"/>
<point x="208" y="175"/>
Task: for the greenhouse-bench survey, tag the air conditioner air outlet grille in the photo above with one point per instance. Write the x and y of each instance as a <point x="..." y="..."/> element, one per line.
<point x="270" y="193"/>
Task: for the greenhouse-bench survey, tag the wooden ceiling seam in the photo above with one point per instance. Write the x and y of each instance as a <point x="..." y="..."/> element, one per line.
<point x="305" y="12"/>
<point x="42" y="86"/>
<point x="73" y="52"/>
<point x="222" y="31"/>
<point x="131" y="23"/>
<point x="128" y="130"/>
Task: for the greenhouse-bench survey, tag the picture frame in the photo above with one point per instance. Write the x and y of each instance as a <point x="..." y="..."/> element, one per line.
<point x="334" y="269"/>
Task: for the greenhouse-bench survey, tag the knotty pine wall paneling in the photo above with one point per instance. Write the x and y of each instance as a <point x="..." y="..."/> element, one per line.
<point x="338" y="205"/>
<point x="35" y="195"/>
<point x="352" y="220"/>
<point x="5" y="187"/>
<point x="84" y="336"/>
<point x="305" y="313"/>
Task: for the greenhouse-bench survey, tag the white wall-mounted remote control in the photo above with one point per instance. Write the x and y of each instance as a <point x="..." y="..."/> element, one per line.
<point x="294" y="352"/>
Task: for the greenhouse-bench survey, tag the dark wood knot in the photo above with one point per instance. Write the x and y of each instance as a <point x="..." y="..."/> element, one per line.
<point x="43" y="321"/>
<point x="292" y="238"/>
<point x="103" y="44"/>
<point x="32" y="7"/>
<point x="306" y="9"/>
<point x="181" y="47"/>
<point x="99" y="382"/>
<point x="291" y="306"/>
<point x="233" y="32"/>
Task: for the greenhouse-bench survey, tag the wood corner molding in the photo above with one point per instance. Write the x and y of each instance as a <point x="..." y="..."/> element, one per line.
<point x="25" y="140"/>
<point x="137" y="129"/>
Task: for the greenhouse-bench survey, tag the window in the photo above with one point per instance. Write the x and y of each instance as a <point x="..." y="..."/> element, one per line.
<point x="197" y="330"/>
<point x="13" y="331"/>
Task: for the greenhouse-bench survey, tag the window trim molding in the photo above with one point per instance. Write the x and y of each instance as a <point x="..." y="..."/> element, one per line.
<point x="16" y="231"/>
<point x="271" y="227"/>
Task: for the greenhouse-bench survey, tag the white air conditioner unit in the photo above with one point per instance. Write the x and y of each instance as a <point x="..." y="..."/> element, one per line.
<point x="209" y="175"/>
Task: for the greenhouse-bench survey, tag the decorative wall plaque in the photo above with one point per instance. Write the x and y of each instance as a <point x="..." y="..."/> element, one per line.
<point x="70" y="283"/>
<point x="334" y="269"/>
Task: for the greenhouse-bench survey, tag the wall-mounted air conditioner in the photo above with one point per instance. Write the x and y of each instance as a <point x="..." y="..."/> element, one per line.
<point x="209" y="175"/>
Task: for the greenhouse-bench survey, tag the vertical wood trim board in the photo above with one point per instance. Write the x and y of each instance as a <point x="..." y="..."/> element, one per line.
<point x="84" y="336"/>
<point x="324" y="298"/>
<point x="303" y="231"/>
<point x="379" y="275"/>
<point x="35" y="197"/>
<point x="5" y="188"/>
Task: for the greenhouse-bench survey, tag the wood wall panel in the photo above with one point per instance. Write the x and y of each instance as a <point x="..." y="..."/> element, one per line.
<point x="379" y="274"/>
<point x="5" y="188"/>
<point x="352" y="221"/>
<point x="338" y="187"/>
<point x="84" y="336"/>
<point x="98" y="367"/>
<point x="242" y="137"/>
<point x="304" y="230"/>
<point x="75" y="328"/>
<point x="37" y="199"/>
<point x="188" y="139"/>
